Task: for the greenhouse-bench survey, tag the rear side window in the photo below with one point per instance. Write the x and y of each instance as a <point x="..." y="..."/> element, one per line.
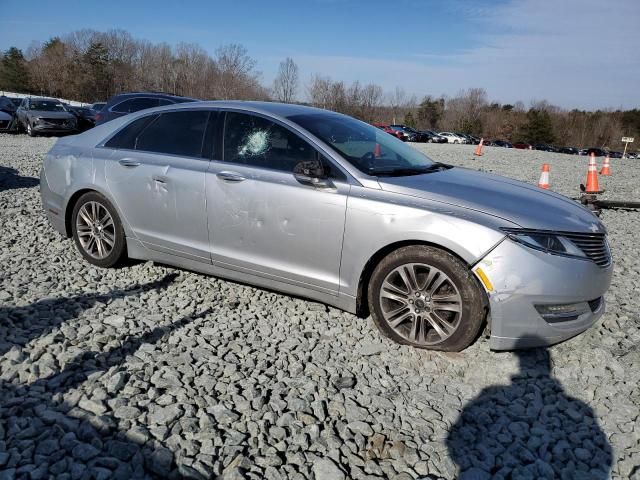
<point x="176" y="133"/>
<point x="126" y="138"/>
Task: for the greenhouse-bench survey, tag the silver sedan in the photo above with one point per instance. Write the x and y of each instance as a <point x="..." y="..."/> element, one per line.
<point x="318" y="204"/>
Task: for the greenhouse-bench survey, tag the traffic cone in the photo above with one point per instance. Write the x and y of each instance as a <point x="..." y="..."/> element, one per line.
<point x="377" y="150"/>
<point x="592" y="176"/>
<point x="544" y="177"/>
<point x="606" y="167"/>
<point x="478" y="151"/>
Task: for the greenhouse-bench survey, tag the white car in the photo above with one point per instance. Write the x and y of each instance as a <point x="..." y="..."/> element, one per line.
<point x="452" y="137"/>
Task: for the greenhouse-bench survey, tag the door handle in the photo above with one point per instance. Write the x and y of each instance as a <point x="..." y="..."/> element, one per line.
<point x="128" y="162"/>
<point x="230" y="176"/>
<point x="159" y="178"/>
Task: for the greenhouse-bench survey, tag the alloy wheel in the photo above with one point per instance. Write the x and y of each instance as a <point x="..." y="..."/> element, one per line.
<point x="96" y="230"/>
<point x="421" y="303"/>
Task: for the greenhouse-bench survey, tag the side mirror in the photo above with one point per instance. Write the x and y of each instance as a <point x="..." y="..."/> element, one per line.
<point x="312" y="173"/>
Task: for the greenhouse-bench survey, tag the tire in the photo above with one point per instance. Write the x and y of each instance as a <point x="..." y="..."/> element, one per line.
<point x="430" y="140"/>
<point x="30" y="130"/>
<point x="89" y="235"/>
<point x="445" y="312"/>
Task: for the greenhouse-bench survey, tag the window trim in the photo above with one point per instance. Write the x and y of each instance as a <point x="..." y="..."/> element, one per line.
<point x="345" y="176"/>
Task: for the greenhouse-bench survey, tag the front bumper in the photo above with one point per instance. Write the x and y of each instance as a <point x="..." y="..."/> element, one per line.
<point x="522" y="278"/>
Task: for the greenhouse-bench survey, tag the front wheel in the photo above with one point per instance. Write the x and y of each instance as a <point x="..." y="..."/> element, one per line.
<point x="97" y="230"/>
<point x="30" y="130"/>
<point x="425" y="297"/>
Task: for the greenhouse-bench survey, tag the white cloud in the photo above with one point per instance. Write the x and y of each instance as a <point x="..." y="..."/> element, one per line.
<point x="574" y="53"/>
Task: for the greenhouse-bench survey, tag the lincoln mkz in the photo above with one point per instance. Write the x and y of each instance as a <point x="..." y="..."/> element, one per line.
<point x="318" y="204"/>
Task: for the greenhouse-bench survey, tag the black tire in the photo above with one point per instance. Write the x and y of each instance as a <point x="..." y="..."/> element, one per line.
<point x="30" y="131"/>
<point x="118" y="251"/>
<point x="472" y="299"/>
<point x="430" y="140"/>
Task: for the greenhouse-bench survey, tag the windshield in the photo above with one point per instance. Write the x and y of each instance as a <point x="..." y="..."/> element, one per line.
<point x="47" y="105"/>
<point x="369" y="149"/>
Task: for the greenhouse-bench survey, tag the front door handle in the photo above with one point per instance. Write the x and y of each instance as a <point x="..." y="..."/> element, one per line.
<point x="230" y="176"/>
<point x="129" y="162"/>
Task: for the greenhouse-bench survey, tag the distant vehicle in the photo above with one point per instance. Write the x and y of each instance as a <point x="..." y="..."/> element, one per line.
<point x="522" y="145"/>
<point x="582" y="151"/>
<point x="45" y="115"/>
<point x="598" y="152"/>
<point x="86" y="117"/>
<point x="414" y="135"/>
<point x="569" y="150"/>
<point x="502" y="143"/>
<point x="8" y="121"/>
<point x="434" y="137"/>
<point x="16" y="101"/>
<point x="615" y="154"/>
<point x="545" y="147"/>
<point x="465" y="136"/>
<point x="396" y="133"/>
<point x="452" y="137"/>
<point x="96" y="107"/>
<point x="125" y="103"/>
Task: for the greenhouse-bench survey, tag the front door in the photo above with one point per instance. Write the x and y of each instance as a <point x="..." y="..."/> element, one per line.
<point x="262" y="221"/>
<point x="156" y="175"/>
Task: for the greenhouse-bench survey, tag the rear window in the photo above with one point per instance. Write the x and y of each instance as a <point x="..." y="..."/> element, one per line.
<point x="126" y="138"/>
<point x="135" y="105"/>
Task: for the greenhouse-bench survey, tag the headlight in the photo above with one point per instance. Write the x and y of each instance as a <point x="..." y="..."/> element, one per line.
<point x="546" y="242"/>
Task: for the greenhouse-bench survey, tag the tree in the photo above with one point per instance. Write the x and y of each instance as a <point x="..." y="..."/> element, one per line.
<point x="538" y="128"/>
<point x="430" y="112"/>
<point x="409" y="121"/>
<point x="13" y="71"/>
<point x="285" y="84"/>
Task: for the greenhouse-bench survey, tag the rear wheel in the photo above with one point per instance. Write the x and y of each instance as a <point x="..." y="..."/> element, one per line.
<point x="425" y="297"/>
<point x="97" y="230"/>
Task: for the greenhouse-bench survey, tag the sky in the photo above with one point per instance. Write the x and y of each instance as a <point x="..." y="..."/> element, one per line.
<point x="574" y="53"/>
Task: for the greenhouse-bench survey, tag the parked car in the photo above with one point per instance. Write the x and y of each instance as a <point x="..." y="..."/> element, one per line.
<point x="598" y="152"/>
<point x="615" y="154"/>
<point x="399" y="134"/>
<point x="16" y="101"/>
<point x="126" y="103"/>
<point x="465" y="137"/>
<point x="451" y="137"/>
<point x="545" y="147"/>
<point x="522" y="145"/>
<point x="98" y="106"/>
<point x="45" y="115"/>
<point x="8" y="121"/>
<point x="85" y="116"/>
<point x="569" y="150"/>
<point x="582" y="151"/>
<point x="433" y="137"/>
<point x="414" y="135"/>
<point x="501" y="143"/>
<point x="335" y="210"/>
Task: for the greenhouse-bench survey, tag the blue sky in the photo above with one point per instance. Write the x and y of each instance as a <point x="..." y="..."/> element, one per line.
<point x="574" y="53"/>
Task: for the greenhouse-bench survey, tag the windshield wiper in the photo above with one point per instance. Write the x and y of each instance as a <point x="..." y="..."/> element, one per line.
<point x="405" y="171"/>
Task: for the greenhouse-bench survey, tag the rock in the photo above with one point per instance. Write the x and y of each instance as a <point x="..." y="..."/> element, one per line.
<point x="116" y="321"/>
<point x="369" y="349"/>
<point x="326" y="469"/>
<point x="344" y="382"/>
<point x="164" y="415"/>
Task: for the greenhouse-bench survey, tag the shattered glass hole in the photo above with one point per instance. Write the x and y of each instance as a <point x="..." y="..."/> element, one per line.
<point x="255" y="143"/>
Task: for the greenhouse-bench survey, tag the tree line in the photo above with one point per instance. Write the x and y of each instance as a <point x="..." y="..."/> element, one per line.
<point x="88" y="66"/>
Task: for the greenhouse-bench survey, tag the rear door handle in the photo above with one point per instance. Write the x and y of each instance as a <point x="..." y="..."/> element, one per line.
<point x="159" y="179"/>
<point x="230" y="176"/>
<point x="128" y="162"/>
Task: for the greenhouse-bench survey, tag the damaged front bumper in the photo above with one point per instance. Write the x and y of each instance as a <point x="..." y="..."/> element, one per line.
<point x="522" y="284"/>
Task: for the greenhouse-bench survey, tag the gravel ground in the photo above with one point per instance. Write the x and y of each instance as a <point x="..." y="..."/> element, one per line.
<point x="149" y="371"/>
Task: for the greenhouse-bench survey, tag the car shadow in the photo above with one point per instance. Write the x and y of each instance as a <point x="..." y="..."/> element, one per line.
<point x="44" y="434"/>
<point x="530" y="428"/>
<point x="10" y="179"/>
<point x="20" y="325"/>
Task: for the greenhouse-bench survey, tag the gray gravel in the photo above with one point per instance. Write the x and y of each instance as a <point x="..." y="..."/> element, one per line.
<point x="149" y="371"/>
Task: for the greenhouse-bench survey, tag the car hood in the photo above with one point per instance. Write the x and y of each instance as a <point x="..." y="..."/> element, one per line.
<point x="517" y="202"/>
<point x="47" y="114"/>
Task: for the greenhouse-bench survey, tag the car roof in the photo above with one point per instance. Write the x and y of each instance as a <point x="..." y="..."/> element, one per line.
<point x="124" y="95"/>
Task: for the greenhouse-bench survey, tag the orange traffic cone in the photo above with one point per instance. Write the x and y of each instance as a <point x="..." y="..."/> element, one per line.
<point x="544" y="177"/>
<point x="478" y="151"/>
<point x="592" y="176"/>
<point x="606" y="167"/>
<point x="377" y="150"/>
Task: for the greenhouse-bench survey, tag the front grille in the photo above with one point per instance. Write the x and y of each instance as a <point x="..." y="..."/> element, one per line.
<point x="594" y="246"/>
<point x="61" y="122"/>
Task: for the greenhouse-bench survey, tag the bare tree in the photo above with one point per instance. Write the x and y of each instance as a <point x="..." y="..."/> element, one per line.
<point x="285" y="84"/>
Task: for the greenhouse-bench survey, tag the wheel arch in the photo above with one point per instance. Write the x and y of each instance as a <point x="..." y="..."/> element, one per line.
<point x="73" y="199"/>
<point x="362" y="307"/>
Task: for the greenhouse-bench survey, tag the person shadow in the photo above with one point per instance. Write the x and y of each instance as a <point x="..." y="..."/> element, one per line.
<point x="10" y="179"/>
<point x="530" y="428"/>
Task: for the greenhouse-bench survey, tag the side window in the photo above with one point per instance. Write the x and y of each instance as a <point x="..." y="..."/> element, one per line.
<point x="126" y="138"/>
<point x="255" y="141"/>
<point x="162" y="102"/>
<point x="177" y="133"/>
<point x="122" y="107"/>
<point x="138" y="104"/>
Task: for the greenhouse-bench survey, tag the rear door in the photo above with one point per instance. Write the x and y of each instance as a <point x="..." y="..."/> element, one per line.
<point x="156" y="174"/>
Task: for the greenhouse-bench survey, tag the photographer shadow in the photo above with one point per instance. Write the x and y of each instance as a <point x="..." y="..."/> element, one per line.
<point x="10" y="179"/>
<point x="529" y="429"/>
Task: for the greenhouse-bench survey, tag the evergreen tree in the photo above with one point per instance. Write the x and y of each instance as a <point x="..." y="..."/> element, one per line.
<point x="430" y="112"/>
<point x="538" y="128"/>
<point x="13" y="71"/>
<point x="409" y="121"/>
